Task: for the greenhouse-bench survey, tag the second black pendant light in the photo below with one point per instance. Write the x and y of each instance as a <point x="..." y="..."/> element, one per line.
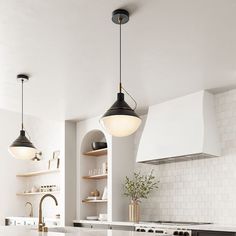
<point x="22" y="148"/>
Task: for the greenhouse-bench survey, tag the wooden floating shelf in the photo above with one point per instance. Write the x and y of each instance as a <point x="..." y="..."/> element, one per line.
<point x="35" y="173"/>
<point x="95" y="177"/>
<point x="37" y="193"/>
<point x="94" y="201"/>
<point x="96" y="153"/>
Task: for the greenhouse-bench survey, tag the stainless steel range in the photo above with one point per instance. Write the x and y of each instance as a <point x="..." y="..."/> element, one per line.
<point x="167" y="227"/>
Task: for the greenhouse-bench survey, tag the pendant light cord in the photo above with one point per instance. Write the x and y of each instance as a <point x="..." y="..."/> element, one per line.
<point x="22" y="104"/>
<point x="120" y="84"/>
<point x="22" y="108"/>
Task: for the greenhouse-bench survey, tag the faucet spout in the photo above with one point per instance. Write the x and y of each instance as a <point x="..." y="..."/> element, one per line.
<point x="41" y="224"/>
<point x="31" y="208"/>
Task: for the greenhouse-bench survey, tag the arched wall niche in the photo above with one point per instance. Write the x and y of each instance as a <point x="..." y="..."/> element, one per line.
<point x="92" y="136"/>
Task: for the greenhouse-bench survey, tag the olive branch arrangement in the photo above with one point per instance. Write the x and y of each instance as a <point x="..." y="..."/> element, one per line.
<point x="140" y="186"/>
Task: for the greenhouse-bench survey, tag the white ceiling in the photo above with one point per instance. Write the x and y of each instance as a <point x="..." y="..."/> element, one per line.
<point x="70" y="50"/>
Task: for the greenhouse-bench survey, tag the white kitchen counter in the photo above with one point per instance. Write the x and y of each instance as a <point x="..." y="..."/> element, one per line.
<point x="23" y="231"/>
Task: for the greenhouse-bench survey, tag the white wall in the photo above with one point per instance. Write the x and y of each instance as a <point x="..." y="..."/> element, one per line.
<point x="200" y="190"/>
<point x="47" y="136"/>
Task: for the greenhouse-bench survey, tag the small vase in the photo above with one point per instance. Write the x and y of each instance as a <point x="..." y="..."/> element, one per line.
<point x="134" y="212"/>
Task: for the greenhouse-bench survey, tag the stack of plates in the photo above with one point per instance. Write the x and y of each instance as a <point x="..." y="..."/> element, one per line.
<point x="92" y="218"/>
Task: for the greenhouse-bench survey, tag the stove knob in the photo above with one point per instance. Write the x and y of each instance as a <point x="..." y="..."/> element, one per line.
<point x="176" y="233"/>
<point x="181" y="233"/>
<point x="142" y="230"/>
<point x="186" y="234"/>
<point x="150" y="231"/>
<point x="138" y="230"/>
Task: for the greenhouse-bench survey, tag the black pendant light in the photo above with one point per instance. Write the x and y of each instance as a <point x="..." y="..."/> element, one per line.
<point x="120" y="120"/>
<point x="22" y="148"/>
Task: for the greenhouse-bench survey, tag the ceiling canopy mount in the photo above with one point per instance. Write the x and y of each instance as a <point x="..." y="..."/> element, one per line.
<point x="22" y="78"/>
<point x="120" y="16"/>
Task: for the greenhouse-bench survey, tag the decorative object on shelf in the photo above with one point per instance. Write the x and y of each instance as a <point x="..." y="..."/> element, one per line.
<point x="140" y="186"/>
<point x="34" y="189"/>
<point x="56" y="154"/>
<point x="35" y="194"/>
<point x="102" y="217"/>
<point x="99" y="145"/>
<point x="55" y="162"/>
<point x="37" y="156"/>
<point x="121" y="120"/>
<point x="104" y="168"/>
<point x="95" y="193"/>
<point x="22" y="148"/>
<point x="98" y="171"/>
<point x="104" y="195"/>
<point x="94" y="196"/>
<point x="49" y="188"/>
<point x="43" y="188"/>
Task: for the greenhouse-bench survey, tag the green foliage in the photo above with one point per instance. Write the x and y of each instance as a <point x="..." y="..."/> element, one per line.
<point x="140" y="186"/>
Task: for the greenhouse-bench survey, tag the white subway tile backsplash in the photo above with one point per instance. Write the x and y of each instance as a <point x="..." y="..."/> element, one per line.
<point x="200" y="190"/>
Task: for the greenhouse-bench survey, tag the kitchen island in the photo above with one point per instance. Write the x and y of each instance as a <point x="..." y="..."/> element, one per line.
<point x="77" y="231"/>
<point x="72" y="231"/>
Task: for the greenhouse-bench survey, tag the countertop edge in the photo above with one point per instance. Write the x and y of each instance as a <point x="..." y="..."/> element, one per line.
<point x="204" y="227"/>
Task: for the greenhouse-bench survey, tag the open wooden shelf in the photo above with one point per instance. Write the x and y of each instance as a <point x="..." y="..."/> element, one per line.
<point x="37" y="193"/>
<point x="35" y="173"/>
<point x="95" y="177"/>
<point x="94" y="201"/>
<point x="96" y="153"/>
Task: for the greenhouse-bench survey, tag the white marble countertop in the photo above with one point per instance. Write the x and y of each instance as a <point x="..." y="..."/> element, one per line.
<point x="72" y="231"/>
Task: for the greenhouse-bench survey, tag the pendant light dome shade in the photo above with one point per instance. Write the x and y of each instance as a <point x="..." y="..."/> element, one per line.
<point x="120" y="120"/>
<point x="22" y="148"/>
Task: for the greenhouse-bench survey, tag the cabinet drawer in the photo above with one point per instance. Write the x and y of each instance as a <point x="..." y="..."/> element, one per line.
<point x="92" y="226"/>
<point x="122" y="227"/>
<point x="212" y="233"/>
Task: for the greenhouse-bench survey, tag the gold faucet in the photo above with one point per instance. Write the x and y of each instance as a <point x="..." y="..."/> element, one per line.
<point x="31" y="208"/>
<point x="41" y="224"/>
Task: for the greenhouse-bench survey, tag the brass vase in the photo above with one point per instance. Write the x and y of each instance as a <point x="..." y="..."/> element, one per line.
<point x="134" y="212"/>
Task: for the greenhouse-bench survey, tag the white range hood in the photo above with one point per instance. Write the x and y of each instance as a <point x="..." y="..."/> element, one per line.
<point x="181" y="129"/>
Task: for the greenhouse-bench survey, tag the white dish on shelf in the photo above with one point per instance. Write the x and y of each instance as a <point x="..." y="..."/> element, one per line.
<point x="93" y="198"/>
<point x="92" y="218"/>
